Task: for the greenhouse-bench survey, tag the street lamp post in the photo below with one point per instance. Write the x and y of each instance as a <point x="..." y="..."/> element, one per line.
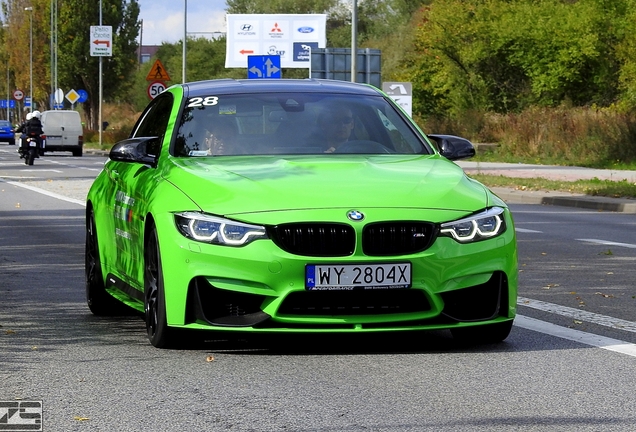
<point x="30" y="9"/>
<point x="185" y="38"/>
<point x="6" y="27"/>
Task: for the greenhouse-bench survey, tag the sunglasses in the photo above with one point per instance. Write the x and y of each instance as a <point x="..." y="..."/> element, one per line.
<point x="344" y="120"/>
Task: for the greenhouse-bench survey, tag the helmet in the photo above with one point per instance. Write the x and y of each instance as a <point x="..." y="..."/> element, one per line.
<point x="28" y="116"/>
<point x="36" y="114"/>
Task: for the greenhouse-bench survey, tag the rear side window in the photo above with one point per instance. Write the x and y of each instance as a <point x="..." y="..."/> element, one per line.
<point x="154" y="120"/>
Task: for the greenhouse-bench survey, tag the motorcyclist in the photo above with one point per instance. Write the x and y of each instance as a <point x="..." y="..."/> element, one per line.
<point x="32" y="128"/>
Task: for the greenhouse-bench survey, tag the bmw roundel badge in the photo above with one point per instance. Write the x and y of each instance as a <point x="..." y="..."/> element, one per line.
<point x="355" y="215"/>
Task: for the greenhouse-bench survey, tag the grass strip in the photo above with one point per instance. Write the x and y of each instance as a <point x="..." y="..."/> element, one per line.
<point x="594" y="187"/>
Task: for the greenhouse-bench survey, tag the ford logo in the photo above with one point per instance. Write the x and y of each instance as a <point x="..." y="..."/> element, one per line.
<point x="355" y="215"/>
<point x="305" y="29"/>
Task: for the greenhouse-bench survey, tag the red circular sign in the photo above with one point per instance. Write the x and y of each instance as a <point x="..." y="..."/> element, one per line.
<point x="18" y="94"/>
<point x="155" y="88"/>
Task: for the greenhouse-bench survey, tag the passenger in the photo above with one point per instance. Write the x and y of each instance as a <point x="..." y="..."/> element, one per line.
<point x="222" y="137"/>
<point x="334" y="126"/>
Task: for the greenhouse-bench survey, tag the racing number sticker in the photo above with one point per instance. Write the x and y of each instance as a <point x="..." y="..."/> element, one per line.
<point x="203" y="101"/>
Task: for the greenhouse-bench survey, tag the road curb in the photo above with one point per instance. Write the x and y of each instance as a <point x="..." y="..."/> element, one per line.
<point x="555" y="198"/>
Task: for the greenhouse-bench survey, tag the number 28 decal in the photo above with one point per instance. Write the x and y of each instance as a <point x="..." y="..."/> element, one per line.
<point x="203" y="101"/>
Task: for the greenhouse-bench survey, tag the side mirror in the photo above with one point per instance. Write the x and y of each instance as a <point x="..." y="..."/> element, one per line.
<point x="136" y="150"/>
<point x="453" y="147"/>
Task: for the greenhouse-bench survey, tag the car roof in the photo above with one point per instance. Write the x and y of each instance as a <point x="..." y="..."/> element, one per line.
<point x="234" y="86"/>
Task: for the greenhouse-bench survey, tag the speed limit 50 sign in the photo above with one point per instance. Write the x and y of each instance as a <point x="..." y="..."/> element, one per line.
<point x="155" y="88"/>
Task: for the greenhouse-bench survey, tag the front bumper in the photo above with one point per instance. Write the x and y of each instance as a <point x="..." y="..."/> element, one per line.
<point x="260" y="288"/>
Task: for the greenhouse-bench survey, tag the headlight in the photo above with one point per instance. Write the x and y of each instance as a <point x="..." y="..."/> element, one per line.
<point x="480" y="226"/>
<point x="216" y="230"/>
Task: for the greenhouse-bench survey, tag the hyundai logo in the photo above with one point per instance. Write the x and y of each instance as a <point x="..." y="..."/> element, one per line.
<point x="355" y="215"/>
<point x="246" y="27"/>
<point x="305" y="29"/>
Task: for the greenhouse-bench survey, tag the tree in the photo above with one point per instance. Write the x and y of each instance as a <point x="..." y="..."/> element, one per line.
<point x="17" y="46"/>
<point x="503" y="56"/>
<point x="78" y="69"/>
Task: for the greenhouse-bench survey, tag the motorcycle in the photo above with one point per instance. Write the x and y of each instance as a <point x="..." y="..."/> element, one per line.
<point x="30" y="148"/>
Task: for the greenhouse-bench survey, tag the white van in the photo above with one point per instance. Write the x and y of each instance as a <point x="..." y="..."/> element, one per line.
<point x="63" y="131"/>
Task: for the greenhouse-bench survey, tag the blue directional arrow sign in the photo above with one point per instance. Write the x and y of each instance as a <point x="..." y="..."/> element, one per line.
<point x="266" y="66"/>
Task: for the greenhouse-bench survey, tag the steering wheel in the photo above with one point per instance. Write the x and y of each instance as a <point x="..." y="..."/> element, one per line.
<point x="362" y="146"/>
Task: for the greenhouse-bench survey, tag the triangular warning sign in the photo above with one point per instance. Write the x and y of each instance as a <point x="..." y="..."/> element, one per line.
<point x="157" y="72"/>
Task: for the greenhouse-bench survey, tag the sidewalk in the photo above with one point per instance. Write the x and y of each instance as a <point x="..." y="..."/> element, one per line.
<point x="516" y="196"/>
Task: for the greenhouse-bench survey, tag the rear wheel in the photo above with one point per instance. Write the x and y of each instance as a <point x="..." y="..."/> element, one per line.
<point x="159" y="334"/>
<point x="483" y="334"/>
<point x="30" y="156"/>
<point x="78" y="152"/>
<point x="98" y="300"/>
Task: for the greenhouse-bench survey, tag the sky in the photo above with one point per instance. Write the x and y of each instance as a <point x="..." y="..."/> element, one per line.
<point x="163" y="19"/>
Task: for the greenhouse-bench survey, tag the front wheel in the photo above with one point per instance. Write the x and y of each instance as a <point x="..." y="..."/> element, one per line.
<point x="482" y="334"/>
<point x="159" y="334"/>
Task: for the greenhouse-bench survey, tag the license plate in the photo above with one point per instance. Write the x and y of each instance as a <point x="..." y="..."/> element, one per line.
<point x="33" y="144"/>
<point x="54" y="139"/>
<point x="357" y="276"/>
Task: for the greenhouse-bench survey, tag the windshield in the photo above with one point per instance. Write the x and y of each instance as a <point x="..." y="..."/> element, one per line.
<point x="293" y="124"/>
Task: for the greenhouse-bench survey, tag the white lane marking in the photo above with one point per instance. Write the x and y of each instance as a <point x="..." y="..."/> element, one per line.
<point x="603" y="342"/>
<point x="41" y="170"/>
<point x="525" y="230"/>
<point x="609" y="243"/>
<point x="76" y="166"/>
<point x="47" y="193"/>
<point x="578" y="314"/>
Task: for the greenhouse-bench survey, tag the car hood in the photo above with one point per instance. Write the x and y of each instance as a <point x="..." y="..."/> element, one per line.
<point x="247" y="184"/>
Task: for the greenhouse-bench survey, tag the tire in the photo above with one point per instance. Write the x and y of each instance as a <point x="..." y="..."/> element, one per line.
<point x="12" y="142"/>
<point x="30" y="157"/>
<point x="159" y="334"/>
<point x="483" y="334"/>
<point x="99" y="301"/>
<point x="78" y="152"/>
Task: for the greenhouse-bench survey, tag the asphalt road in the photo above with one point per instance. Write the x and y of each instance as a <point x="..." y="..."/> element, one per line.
<point x="556" y="372"/>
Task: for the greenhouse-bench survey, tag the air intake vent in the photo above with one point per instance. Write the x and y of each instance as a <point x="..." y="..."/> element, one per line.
<point x="397" y="238"/>
<point x="315" y="239"/>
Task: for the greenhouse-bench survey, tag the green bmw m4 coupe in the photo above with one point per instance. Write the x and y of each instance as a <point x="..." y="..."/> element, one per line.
<point x="289" y="206"/>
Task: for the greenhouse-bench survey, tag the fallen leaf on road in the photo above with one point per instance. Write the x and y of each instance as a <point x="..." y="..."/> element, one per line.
<point x="78" y="418"/>
<point x="209" y="359"/>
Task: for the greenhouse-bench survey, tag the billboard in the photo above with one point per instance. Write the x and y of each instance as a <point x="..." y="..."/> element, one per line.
<point x="290" y="36"/>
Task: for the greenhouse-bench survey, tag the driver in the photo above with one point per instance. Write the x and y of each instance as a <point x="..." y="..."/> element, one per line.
<point x="335" y="124"/>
